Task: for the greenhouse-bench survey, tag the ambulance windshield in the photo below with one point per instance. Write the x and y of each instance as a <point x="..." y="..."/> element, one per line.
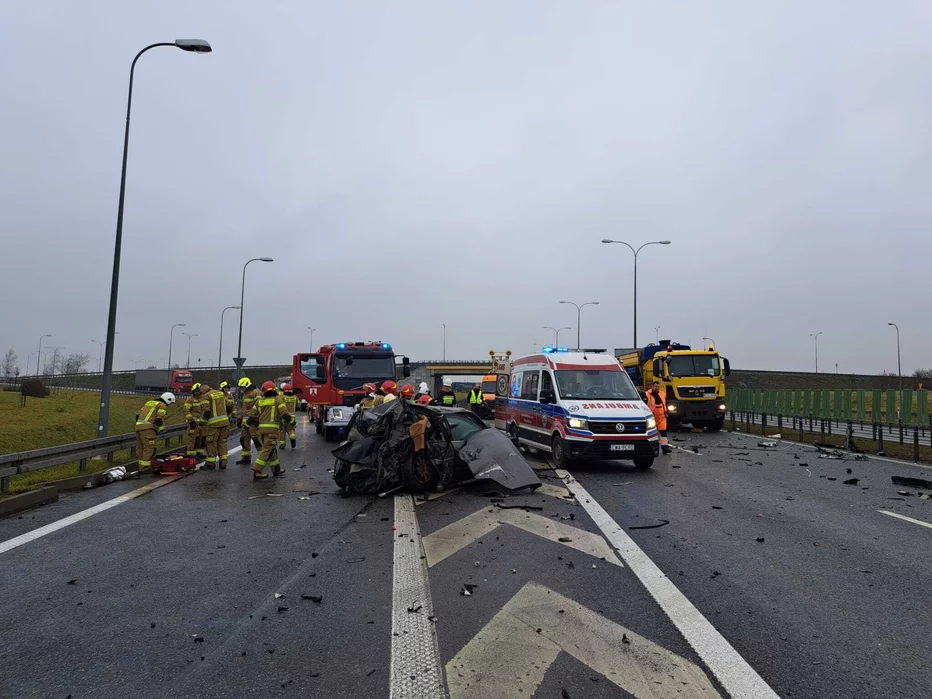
<point x="595" y="384"/>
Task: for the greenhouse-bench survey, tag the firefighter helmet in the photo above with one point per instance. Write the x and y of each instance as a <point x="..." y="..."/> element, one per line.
<point x="195" y="387"/>
<point x="424" y="399"/>
<point x="168" y="397"/>
<point x="369" y="388"/>
<point x="447" y="381"/>
<point x="268" y="386"/>
<point x="407" y="390"/>
<point x="422" y="388"/>
<point x="224" y="384"/>
<point x="286" y="387"/>
<point x="244" y="382"/>
<point x="389" y="386"/>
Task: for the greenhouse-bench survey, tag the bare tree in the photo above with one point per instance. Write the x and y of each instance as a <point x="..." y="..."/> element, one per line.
<point x="152" y="366"/>
<point x="8" y="363"/>
<point x="922" y="374"/>
<point x="75" y="363"/>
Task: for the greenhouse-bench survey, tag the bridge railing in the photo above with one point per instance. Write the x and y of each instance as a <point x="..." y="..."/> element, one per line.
<point x="36" y="459"/>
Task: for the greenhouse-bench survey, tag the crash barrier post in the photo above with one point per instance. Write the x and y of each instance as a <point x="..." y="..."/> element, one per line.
<point x="901" y="432"/>
<point x="800" y="429"/>
<point x="763" y="423"/>
<point x="810" y="422"/>
<point x="916" y="444"/>
<point x="822" y="427"/>
<point x="37" y="459"/>
<point x="880" y="438"/>
<point x="830" y="425"/>
<point x="780" y="421"/>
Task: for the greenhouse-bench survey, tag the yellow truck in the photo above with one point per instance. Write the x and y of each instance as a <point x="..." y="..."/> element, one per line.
<point x="693" y="381"/>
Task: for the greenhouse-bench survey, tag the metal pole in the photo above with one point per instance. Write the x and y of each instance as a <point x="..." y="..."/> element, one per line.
<point x="311" y="345"/>
<point x="171" y="339"/>
<point x="103" y="420"/>
<point x="816" y="337"/>
<point x="242" y="298"/>
<point x="220" y="353"/>
<point x="190" y="337"/>
<point x="631" y="248"/>
<point x="99" y="353"/>
<point x="39" y="358"/>
<point x="444" y="341"/>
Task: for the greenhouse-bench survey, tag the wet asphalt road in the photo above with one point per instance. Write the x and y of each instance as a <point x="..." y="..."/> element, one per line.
<point x="174" y="592"/>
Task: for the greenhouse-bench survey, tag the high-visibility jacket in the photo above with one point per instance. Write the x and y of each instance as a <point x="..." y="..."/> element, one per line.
<point x="217" y="407"/>
<point x="291" y="403"/>
<point x="249" y="399"/>
<point x="151" y="416"/>
<point x="367" y="402"/>
<point x="271" y="412"/>
<point x="658" y="406"/>
<point x="193" y="408"/>
<point x="475" y="397"/>
<point x="447" y="398"/>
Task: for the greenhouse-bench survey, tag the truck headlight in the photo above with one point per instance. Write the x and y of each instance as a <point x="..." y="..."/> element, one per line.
<point x="722" y="406"/>
<point x="671" y="408"/>
<point x="337" y="413"/>
<point x="577" y="423"/>
<point x="651" y="423"/>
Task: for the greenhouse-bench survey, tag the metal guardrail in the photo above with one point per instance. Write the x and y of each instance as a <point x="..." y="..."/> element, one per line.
<point x="36" y="459"/>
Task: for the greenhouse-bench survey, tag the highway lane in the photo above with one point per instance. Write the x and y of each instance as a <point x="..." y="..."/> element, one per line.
<point x="830" y="604"/>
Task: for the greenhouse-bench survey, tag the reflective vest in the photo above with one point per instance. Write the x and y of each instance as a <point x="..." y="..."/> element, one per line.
<point x="270" y="411"/>
<point x="367" y="402"/>
<point x="153" y="410"/>
<point x="193" y="408"/>
<point x="475" y="397"/>
<point x="249" y="399"/>
<point x="448" y="398"/>
<point x="291" y="402"/>
<point x="657" y="405"/>
<point x="216" y="404"/>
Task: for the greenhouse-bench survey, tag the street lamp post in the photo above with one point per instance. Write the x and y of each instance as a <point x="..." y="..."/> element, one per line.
<point x="99" y="353"/>
<point x="556" y="333"/>
<point x="39" y="358"/>
<point x="171" y="338"/>
<point x="55" y="358"/>
<point x="579" y="308"/>
<point x="816" y="336"/>
<point x="311" y="346"/>
<point x="190" y="337"/>
<point x="711" y="341"/>
<point x="239" y="360"/>
<point x="220" y="354"/>
<point x="195" y="46"/>
<point x="899" y="366"/>
<point x="444" y="341"/>
<point x="621" y="242"/>
<point x="657" y="333"/>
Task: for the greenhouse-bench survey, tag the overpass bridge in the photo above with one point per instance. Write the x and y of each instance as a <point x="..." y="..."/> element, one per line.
<point x="432" y="371"/>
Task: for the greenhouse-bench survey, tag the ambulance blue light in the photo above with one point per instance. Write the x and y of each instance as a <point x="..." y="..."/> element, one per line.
<point x="385" y="345"/>
<point x="546" y="350"/>
<point x="562" y="349"/>
<point x="341" y="345"/>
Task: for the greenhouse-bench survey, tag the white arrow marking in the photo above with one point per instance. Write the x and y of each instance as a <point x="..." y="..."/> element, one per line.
<point x="511" y="654"/>
<point x="453" y="537"/>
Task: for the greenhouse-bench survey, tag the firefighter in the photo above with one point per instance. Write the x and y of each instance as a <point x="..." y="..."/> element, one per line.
<point x="228" y="392"/>
<point x="476" y="398"/>
<point x="250" y="394"/>
<point x="266" y="417"/>
<point x="424" y="399"/>
<point x="447" y="397"/>
<point x="423" y="394"/>
<point x="291" y="403"/>
<point x="150" y="424"/>
<point x="407" y="392"/>
<point x="369" y="400"/>
<point x="658" y="406"/>
<point x="216" y="418"/>
<point x="193" y="409"/>
<point x="389" y="390"/>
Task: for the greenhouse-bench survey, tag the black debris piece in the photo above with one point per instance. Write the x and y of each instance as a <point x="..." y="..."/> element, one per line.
<point x="663" y="523"/>
<point x="564" y="539"/>
<point x="759" y="539"/>
<point x="715" y="461"/>
<point x="848" y="471"/>
<point x="625" y="639"/>
<point x="152" y="625"/>
<point x="317" y="599"/>
<point x="384" y="519"/>
<point x="359" y="559"/>
<point x="468" y="589"/>
<point x="314" y="554"/>
<point x="370" y="673"/>
<point x="831" y="479"/>
<point x="198" y="639"/>
<point x="851" y="481"/>
<point x="903" y="492"/>
<point x="564" y="694"/>
<point x="913" y="482"/>
<point x="415" y="610"/>
<point x="529" y="508"/>
<point x="717" y="507"/>
<point x="803" y="463"/>
<point x="742" y="453"/>
<point x="282" y="608"/>
<point x="72" y="581"/>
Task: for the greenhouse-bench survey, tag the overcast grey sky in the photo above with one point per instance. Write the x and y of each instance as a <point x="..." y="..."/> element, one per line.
<point x="410" y="164"/>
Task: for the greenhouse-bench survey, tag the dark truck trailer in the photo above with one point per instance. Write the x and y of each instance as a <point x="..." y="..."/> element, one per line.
<point x="174" y="380"/>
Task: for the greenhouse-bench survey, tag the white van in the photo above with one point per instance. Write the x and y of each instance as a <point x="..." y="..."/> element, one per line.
<point x="576" y="405"/>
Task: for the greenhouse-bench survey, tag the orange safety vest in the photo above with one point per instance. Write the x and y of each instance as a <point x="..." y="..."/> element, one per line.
<point x="658" y="406"/>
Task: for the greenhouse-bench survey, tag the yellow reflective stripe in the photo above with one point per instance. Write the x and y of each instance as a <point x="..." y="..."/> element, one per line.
<point x="269" y="424"/>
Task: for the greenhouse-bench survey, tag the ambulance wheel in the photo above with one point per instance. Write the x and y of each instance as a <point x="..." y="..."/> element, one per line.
<point x="418" y="474"/>
<point x="513" y="435"/>
<point x="558" y="452"/>
<point x="644" y="463"/>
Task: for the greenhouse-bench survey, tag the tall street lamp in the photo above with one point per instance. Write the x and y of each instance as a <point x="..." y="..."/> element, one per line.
<point x="189" y="336"/>
<point x="171" y="338"/>
<point x="621" y="242"/>
<point x="194" y="46"/>
<point x="312" y="338"/>
<point x="711" y="341"/>
<point x="899" y="366"/>
<point x="444" y="341"/>
<point x="239" y="359"/>
<point x="99" y="353"/>
<point x="816" y="336"/>
<point x="55" y="359"/>
<point x="39" y="358"/>
<point x="556" y="333"/>
<point x="220" y="354"/>
<point x="579" y="308"/>
<point x="657" y="333"/>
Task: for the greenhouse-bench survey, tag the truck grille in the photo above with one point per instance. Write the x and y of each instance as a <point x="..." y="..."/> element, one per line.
<point x="350" y="400"/>
<point x="697" y="391"/>
<point x="608" y="427"/>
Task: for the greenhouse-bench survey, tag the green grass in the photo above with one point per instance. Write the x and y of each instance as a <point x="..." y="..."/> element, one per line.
<point x="62" y="418"/>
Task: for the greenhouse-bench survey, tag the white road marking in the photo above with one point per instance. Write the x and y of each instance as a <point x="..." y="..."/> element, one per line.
<point x="13" y="543"/>
<point x="510" y="656"/>
<point x="736" y="675"/>
<point x="461" y="533"/>
<point x="416" y="670"/>
<point x="904" y="517"/>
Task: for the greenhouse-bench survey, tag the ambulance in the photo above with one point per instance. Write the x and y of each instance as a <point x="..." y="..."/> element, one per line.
<point x="576" y="405"/>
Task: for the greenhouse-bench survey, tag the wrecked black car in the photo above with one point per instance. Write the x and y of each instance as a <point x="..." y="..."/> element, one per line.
<point x="425" y="448"/>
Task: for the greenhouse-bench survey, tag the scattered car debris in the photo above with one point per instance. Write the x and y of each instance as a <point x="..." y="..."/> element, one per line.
<point x="529" y="508"/>
<point x="358" y="559"/>
<point x="830" y="478"/>
<point x="370" y="673"/>
<point x="663" y="523"/>
<point x="72" y="581"/>
<point x="742" y="453"/>
<point x="925" y="496"/>
<point x="848" y="470"/>
<point x="903" y="492"/>
<point x="914" y="482"/>
<point x="468" y="589"/>
<point x="564" y="539"/>
<point x="717" y="507"/>
<point x="851" y="481"/>
<point x="803" y="463"/>
<point x="198" y="639"/>
<point x="625" y="639"/>
<point x="415" y="610"/>
<point x="767" y="445"/>
<point x="278" y="595"/>
<point x="316" y="599"/>
<point x="282" y="608"/>
<point x="759" y="539"/>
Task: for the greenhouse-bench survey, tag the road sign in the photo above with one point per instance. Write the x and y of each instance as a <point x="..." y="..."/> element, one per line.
<point x="512" y="653"/>
<point x="239" y="361"/>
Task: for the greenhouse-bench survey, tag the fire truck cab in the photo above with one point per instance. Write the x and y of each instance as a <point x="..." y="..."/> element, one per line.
<point x="331" y="380"/>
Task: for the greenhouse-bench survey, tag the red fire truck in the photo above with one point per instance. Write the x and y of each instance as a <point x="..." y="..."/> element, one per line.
<point x="331" y="380"/>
